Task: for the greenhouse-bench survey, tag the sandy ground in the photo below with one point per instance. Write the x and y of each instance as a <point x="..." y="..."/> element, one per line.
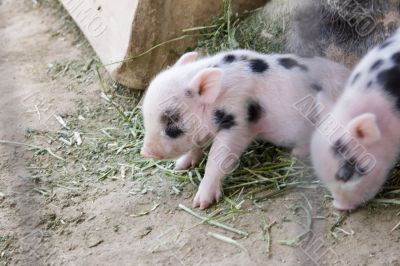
<point x="94" y="225"/>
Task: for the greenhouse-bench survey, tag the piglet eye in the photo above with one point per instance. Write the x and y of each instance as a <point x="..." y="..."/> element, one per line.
<point x="170" y="116"/>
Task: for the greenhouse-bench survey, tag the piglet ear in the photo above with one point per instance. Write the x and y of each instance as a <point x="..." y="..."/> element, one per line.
<point x="365" y="129"/>
<point x="207" y="84"/>
<point x="187" y="58"/>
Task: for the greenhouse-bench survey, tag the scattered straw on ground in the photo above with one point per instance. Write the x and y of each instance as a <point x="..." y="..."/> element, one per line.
<point x="101" y="142"/>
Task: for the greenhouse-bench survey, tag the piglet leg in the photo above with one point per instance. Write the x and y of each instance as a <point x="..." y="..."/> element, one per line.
<point x="224" y="156"/>
<point x="301" y="151"/>
<point x="189" y="159"/>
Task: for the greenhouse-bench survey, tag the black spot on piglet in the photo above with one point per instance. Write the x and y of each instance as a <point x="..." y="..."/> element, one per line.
<point x="223" y="119"/>
<point x="339" y="147"/>
<point x="390" y="80"/>
<point x="376" y="65"/>
<point x="254" y="111"/>
<point x="170" y="116"/>
<point x="396" y="58"/>
<point x="189" y="93"/>
<point x="174" y="131"/>
<point x="171" y="120"/>
<point x="290" y="63"/>
<point x="316" y="87"/>
<point x="346" y="171"/>
<point x="229" y="58"/>
<point x="258" y="65"/>
<point x="356" y="77"/>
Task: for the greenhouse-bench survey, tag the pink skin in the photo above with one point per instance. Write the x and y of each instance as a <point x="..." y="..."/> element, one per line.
<point x="197" y="90"/>
<point x="368" y="116"/>
<point x="375" y="146"/>
<point x="220" y="162"/>
<point x="147" y="153"/>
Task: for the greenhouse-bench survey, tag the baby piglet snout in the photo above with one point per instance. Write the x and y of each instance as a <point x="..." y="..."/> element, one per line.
<point x="145" y="152"/>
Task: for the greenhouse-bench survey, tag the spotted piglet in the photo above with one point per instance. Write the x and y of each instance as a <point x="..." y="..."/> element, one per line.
<point x="357" y="144"/>
<point x="228" y="100"/>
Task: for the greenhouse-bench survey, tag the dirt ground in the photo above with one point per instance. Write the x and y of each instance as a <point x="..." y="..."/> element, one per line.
<point x="59" y="220"/>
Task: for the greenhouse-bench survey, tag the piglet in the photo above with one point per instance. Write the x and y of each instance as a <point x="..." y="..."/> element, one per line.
<point x="228" y="100"/>
<point x="357" y="144"/>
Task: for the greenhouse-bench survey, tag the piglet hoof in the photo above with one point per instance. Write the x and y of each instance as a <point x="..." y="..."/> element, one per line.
<point x="188" y="160"/>
<point x="184" y="163"/>
<point x="300" y="152"/>
<point x="343" y="206"/>
<point x="205" y="198"/>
